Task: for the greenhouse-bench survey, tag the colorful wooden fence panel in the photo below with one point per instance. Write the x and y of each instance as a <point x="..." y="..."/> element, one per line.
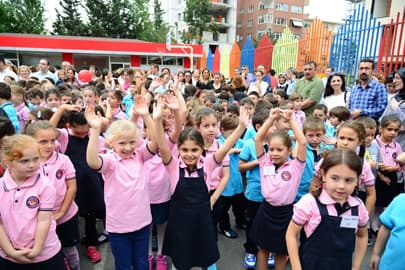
<point x="203" y="61"/>
<point x="359" y="37"/>
<point x="285" y="51"/>
<point x="216" y="60"/>
<point x="264" y="52"/>
<point x="234" y="56"/>
<point x="210" y="60"/>
<point x="392" y="48"/>
<point x="224" y="63"/>
<point x="248" y="55"/>
<point x="315" y="46"/>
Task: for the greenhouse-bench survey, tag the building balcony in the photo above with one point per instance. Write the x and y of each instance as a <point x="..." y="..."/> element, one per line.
<point x="219" y="38"/>
<point x="219" y="6"/>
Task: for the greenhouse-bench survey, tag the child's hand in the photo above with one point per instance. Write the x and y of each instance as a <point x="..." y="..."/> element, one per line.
<point x="93" y="119"/>
<point x="329" y="140"/>
<point x="57" y="216"/>
<point x="21" y="255"/>
<point x="34" y="253"/>
<point x="385" y="179"/>
<point x="374" y="261"/>
<point x="388" y="168"/>
<point x="158" y="108"/>
<point x="171" y="101"/>
<point x="287" y="114"/>
<point x="71" y="108"/>
<point x="244" y="116"/>
<point x="274" y="113"/>
<point x="140" y="106"/>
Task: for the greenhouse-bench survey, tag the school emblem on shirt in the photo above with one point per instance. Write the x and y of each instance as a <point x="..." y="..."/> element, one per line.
<point x="59" y="174"/>
<point x="286" y="176"/>
<point x="33" y="202"/>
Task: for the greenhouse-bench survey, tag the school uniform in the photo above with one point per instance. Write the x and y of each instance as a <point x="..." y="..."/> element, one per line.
<point x="22" y="114"/>
<point x="19" y="209"/>
<point x="279" y="188"/>
<point x="59" y="169"/>
<point x="127" y="207"/>
<point x="299" y="117"/>
<point x="118" y="114"/>
<point x="190" y="238"/>
<point x="329" y="234"/>
<point x="387" y="153"/>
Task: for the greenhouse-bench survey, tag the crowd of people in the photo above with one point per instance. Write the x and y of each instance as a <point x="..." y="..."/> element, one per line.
<point x="312" y="168"/>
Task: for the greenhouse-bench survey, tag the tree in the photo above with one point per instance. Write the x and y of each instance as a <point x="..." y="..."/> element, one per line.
<point x="160" y="28"/>
<point x="198" y="20"/>
<point x="69" y="22"/>
<point x="22" y="16"/>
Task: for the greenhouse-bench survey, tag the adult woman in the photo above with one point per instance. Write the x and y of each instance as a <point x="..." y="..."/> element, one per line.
<point x="259" y="86"/>
<point x="396" y="104"/>
<point x="217" y="84"/>
<point x="205" y="81"/>
<point x="24" y="72"/>
<point x="188" y="78"/>
<point x="335" y="91"/>
<point x="71" y="77"/>
<point x="239" y="84"/>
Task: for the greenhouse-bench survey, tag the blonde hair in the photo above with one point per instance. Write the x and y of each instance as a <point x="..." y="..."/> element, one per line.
<point x="120" y="127"/>
<point x="13" y="146"/>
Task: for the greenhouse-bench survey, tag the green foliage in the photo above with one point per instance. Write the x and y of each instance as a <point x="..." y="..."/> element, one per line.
<point x="22" y="16"/>
<point x="198" y="20"/>
<point x="68" y="21"/>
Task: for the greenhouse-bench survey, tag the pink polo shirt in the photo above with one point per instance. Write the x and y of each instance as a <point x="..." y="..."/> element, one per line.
<point x="117" y="113"/>
<point x="23" y="115"/>
<point x="216" y="175"/>
<point x="126" y="192"/>
<point x="306" y="211"/>
<point x="158" y="177"/>
<point x="389" y="152"/>
<point x="280" y="187"/>
<point x="299" y="117"/>
<point x="19" y="213"/>
<point x="208" y="163"/>
<point x="63" y="140"/>
<point x="59" y="169"/>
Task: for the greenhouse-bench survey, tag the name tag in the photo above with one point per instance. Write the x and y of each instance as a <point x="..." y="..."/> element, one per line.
<point x="350" y="222"/>
<point x="269" y="170"/>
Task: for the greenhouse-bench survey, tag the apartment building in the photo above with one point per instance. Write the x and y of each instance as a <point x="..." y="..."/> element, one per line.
<point x="254" y="18"/>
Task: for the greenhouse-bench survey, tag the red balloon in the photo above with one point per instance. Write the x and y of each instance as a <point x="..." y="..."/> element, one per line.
<point x="84" y="76"/>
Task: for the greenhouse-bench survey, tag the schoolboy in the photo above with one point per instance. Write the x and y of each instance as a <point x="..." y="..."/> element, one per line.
<point x="7" y="106"/>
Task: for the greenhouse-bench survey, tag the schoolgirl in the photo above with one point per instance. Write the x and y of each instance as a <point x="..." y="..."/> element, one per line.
<point x="60" y="170"/>
<point x="334" y="221"/>
<point x="280" y="178"/>
<point x="190" y="238"/>
<point x="20" y="105"/>
<point x="126" y="187"/>
<point x="114" y="111"/>
<point x="52" y="99"/>
<point x="28" y="238"/>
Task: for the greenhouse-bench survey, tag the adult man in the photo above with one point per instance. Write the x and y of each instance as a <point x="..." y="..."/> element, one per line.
<point x="310" y="88"/>
<point x="153" y="71"/>
<point x="368" y="97"/>
<point x="249" y="78"/>
<point x="196" y="76"/>
<point x="43" y="71"/>
<point x="5" y="71"/>
<point x="328" y="71"/>
<point x="291" y="75"/>
<point x="266" y="78"/>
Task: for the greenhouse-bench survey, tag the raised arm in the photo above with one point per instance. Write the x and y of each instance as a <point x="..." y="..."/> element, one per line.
<point x="233" y="138"/>
<point x="160" y="136"/>
<point x="93" y="159"/>
<point x="299" y="136"/>
<point x="58" y="114"/>
<point x="262" y="132"/>
<point x="141" y="108"/>
<point x="179" y="113"/>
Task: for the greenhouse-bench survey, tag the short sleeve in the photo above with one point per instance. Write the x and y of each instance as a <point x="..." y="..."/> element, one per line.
<point x="386" y="216"/>
<point x="70" y="171"/>
<point x="47" y="195"/>
<point x="63" y="139"/>
<point x="245" y="153"/>
<point x="363" y="215"/>
<point x="367" y="177"/>
<point x="108" y="163"/>
<point x="303" y="210"/>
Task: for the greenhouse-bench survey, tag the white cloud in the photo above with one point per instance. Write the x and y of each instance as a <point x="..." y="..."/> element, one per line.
<point x="327" y="10"/>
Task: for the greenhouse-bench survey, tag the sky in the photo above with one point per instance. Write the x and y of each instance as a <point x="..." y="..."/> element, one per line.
<point x="326" y="10"/>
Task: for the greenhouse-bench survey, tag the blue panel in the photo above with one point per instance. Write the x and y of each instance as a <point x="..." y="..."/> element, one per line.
<point x="248" y="55"/>
<point x="210" y="60"/>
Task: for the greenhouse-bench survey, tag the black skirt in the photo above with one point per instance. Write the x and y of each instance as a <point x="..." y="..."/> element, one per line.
<point x="270" y="225"/>
<point x="386" y="193"/>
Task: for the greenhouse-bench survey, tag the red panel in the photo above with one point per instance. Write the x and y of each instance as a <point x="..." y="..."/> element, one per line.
<point x="87" y="44"/>
<point x="68" y="57"/>
<point x="187" y="63"/>
<point x="264" y="53"/>
<point x="135" y="61"/>
<point x="216" y="61"/>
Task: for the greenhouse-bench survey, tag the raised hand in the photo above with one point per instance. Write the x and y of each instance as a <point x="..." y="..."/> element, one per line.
<point x="244" y="116"/>
<point x="171" y="101"/>
<point x="158" y="108"/>
<point x="287" y="114"/>
<point x="93" y="119"/>
<point x="274" y="113"/>
<point x="140" y="107"/>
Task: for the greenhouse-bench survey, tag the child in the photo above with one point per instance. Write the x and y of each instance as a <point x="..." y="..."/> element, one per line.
<point x="334" y="222"/>
<point x="390" y="181"/>
<point x="52" y="99"/>
<point x="337" y="116"/>
<point x="7" y="106"/>
<point x="125" y="185"/>
<point x="36" y="97"/>
<point x="392" y="229"/>
<point x="114" y="111"/>
<point x="233" y="192"/>
<point x="62" y="174"/>
<point x="28" y="238"/>
<point x="20" y="105"/>
<point x="299" y="114"/>
<point x="314" y="130"/>
<point x="190" y="238"/>
<point x="6" y="129"/>
<point x="280" y="179"/>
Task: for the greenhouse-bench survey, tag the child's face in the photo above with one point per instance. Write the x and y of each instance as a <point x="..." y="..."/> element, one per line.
<point x="16" y="99"/>
<point x="339" y="182"/>
<point x="168" y="116"/>
<point x="53" y="101"/>
<point x="46" y="139"/>
<point x="190" y="153"/>
<point x="334" y="121"/>
<point x="132" y="89"/>
<point x="282" y="124"/>
<point x="390" y="132"/>
<point x="254" y="99"/>
<point x="347" y="138"/>
<point x="208" y="128"/>
<point x="314" y="137"/>
<point x="89" y="97"/>
<point x="297" y="104"/>
<point x="113" y="101"/>
<point x="25" y="167"/>
<point x="61" y="75"/>
<point x="320" y="114"/>
<point x="124" y="144"/>
<point x="390" y="88"/>
<point x="35" y="100"/>
<point x="66" y="99"/>
<point x="278" y="151"/>
<point x="250" y="109"/>
<point x="202" y="97"/>
<point x="370" y="134"/>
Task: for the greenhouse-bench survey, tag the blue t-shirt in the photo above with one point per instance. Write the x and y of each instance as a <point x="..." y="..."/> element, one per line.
<point x="12" y="115"/>
<point x="234" y="185"/>
<point x="253" y="190"/>
<point x="393" y="219"/>
<point x="127" y="101"/>
<point x="250" y="133"/>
